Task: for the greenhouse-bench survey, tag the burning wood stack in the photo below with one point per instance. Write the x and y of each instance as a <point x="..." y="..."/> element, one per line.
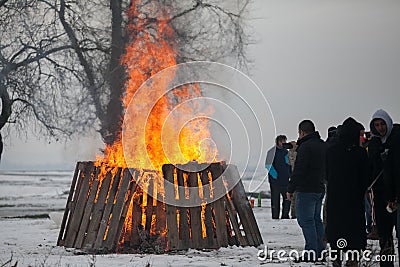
<point x="132" y="210"/>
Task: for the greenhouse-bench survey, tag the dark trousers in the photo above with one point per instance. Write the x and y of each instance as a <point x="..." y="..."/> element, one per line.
<point x="385" y="223"/>
<point x="308" y="211"/>
<point x="276" y="192"/>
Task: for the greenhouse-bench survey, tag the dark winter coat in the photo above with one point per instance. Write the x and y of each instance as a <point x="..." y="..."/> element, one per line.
<point x="347" y="180"/>
<point x="389" y="182"/>
<point x="309" y="168"/>
<point x="277" y="163"/>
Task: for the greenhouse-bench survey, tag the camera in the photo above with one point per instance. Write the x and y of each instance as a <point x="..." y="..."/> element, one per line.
<point x="287" y="145"/>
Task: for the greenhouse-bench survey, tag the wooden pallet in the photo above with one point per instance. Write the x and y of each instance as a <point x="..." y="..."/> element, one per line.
<point x="96" y="207"/>
<point x="228" y="220"/>
<point x="106" y="212"/>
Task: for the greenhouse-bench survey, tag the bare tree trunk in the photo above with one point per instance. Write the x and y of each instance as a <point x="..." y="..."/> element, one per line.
<point x="112" y="122"/>
<point x="5" y="104"/>
<point x="5" y="109"/>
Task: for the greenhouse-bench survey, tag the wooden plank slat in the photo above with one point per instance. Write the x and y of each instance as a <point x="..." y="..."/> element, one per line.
<point x="195" y="211"/>
<point x="184" y="234"/>
<point x="107" y="211"/>
<point x="80" y="206"/>
<point x="220" y="223"/>
<point x="172" y="225"/>
<point x="243" y="210"/>
<point x="219" y="188"/>
<point x="243" y="207"/>
<point x="97" y="212"/>
<point x="88" y="210"/>
<point x="131" y="190"/>
<point x="136" y="217"/>
<point x="234" y="221"/>
<point x="211" y="241"/>
<point x="60" y="240"/>
<point x="206" y="186"/>
<point x="161" y="219"/>
<point x="82" y="168"/>
<point x="111" y="240"/>
<point x="149" y="207"/>
<point x="173" y="236"/>
<point x="218" y="206"/>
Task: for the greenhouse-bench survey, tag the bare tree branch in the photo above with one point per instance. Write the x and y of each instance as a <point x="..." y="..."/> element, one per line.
<point x="60" y="61"/>
<point x="51" y="128"/>
<point x="86" y="65"/>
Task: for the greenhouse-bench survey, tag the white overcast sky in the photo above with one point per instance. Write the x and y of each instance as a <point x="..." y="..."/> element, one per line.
<point x="322" y="60"/>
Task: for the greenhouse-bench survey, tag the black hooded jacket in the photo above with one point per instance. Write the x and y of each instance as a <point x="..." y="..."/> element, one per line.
<point x="347" y="175"/>
<point x="309" y="168"/>
<point x="389" y="182"/>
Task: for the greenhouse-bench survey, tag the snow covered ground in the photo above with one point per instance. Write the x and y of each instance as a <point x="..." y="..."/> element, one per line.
<point x="29" y="237"/>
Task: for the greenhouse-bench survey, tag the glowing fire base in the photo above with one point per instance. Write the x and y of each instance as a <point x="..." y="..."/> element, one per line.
<point x="124" y="210"/>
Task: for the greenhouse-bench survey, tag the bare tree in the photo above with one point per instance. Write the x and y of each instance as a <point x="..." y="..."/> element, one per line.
<point x="60" y="60"/>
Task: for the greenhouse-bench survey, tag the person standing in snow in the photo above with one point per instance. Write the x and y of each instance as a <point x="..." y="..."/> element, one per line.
<point x="308" y="182"/>
<point x="383" y="152"/>
<point x="347" y="180"/>
<point x="279" y="171"/>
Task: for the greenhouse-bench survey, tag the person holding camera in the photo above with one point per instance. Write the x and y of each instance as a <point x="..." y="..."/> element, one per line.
<point x="384" y="159"/>
<point x="279" y="171"/>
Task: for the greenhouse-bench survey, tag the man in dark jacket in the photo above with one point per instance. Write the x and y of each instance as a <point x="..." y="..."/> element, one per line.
<point x="308" y="182"/>
<point x="383" y="153"/>
<point x="279" y="171"/>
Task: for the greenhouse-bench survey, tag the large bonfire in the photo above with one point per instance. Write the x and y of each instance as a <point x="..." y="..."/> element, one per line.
<point x="151" y="50"/>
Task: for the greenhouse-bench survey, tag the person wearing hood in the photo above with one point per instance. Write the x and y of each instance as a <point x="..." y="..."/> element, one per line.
<point x="383" y="153"/>
<point x="307" y="181"/>
<point x="347" y="173"/>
